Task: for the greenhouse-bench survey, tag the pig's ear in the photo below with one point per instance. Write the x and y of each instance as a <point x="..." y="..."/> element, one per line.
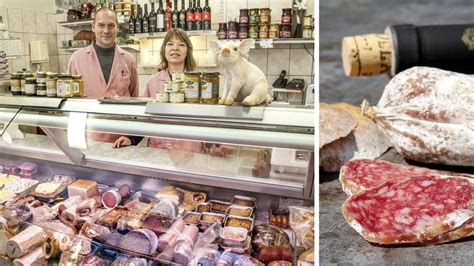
<point x="245" y="45"/>
<point x="214" y="46"/>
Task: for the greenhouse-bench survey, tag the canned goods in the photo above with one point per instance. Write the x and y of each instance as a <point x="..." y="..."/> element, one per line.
<point x="286" y="16"/>
<point x="162" y="97"/>
<point x="274" y="27"/>
<point x="265" y="15"/>
<point x="254" y="16"/>
<point x="273" y="34"/>
<point x="264" y="27"/>
<point x="210" y="88"/>
<point x="176" y="97"/>
<point x="192" y="81"/>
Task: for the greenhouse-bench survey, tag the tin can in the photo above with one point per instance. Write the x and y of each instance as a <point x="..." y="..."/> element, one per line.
<point x="192" y="81"/>
<point x="265" y="15"/>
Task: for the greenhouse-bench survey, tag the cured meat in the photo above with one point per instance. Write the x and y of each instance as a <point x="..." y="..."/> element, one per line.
<point x="411" y="209"/>
<point x="25" y="241"/>
<point x="334" y="123"/>
<point x="427" y="114"/>
<point x="363" y="174"/>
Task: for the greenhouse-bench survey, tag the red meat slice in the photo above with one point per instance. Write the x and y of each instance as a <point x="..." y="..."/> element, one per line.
<point x="412" y="209"/>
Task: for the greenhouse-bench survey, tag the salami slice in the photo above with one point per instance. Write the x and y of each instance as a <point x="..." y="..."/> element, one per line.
<point x="363" y="174"/>
<point x="411" y="209"/>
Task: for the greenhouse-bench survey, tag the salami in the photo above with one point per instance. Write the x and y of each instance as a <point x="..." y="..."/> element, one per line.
<point x="411" y="209"/>
<point x="427" y="115"/>
<point x="363" y="174"/>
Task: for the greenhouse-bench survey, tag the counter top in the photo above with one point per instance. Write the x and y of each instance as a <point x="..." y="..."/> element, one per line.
<point x="339" y="244"/>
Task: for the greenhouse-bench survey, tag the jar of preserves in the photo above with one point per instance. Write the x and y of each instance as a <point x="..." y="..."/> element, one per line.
<point x="167" y="86"/>
<point x="51" y="84"/>
<point x="162" y="97"/>
<point x="25" y="75"/>
<point x="63" y="85"/>
<point x="40" y="77"/>
<point x="308" y="32"/>
<point x="77" y="86"/>
<point x="244" y="16"/>
<point x="274" y="27"/>
<point x="41" y="89"/>
<point x="71" y="14"/>
<point x="177" y="97"/>
<point x="30" y="86"/>
<point x="176" y="86"/>
<point x="286" y="16"/>
<point x="254" y="16"/>
<point x="308" y="21"/>
<point x="263" y="34"/>
<point x="192" y="81"/>
<point x="274" y="31"/>
<point x="210" y="88"/>
<point x="265" y="15"/>
<point x="222" y="32"/>
<point x="232" y="30"/>
<point x="243" y="31"/>
<point x="253" y="31"/>
<point x="178" y="76"/>
<point x="285" y="31"/>
<point x="15" y="83"/>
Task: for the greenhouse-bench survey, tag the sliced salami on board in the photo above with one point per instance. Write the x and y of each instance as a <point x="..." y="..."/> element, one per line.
<point x="412" y="209"/>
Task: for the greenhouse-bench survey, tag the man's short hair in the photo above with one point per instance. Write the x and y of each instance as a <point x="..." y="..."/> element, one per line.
<point x="103" y="9"/>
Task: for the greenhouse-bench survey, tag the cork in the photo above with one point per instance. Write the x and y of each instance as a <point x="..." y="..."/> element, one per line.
<point x="366" y="55"/>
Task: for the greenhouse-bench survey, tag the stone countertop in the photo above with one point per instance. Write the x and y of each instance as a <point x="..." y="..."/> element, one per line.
<point x="339" y="244"/>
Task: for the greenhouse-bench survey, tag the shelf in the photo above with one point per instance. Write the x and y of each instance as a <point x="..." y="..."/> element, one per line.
<point x="160" y="35"/>
<point x="75" y="24"/>
<point x="128" y="47"/>
<point x="286" y="90"/>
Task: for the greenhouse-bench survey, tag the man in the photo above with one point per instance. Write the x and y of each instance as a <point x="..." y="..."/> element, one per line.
<point x="107" y="70"/>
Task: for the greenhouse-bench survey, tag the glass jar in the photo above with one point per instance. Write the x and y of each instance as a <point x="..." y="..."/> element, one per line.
<point x="192" y="81"/>
<point x="244" y="16"/>
<point x="253" y="31"/>
<point x="77" y="86"/>
<point x="232" y="30"/>
<point x="308" y="32"/>
<point x="286" y="16"/>
<point x="30" y="86"/>
<point x="222" y="32"/>
<point x="263" y="31"/>
<point x="40" y="77"/>
<point x="210" y="88"/>
<point x="41" y="89"/>
<point x="285" y="31"/>
<point x="243" y="31"/>
<point x="51" y="84"/>
<point x="15" y="83"/>
<point x="176" y="97"/>
<point x="71" y="14"/>
<point x="308" y="21"/>
<point x="254" y="16"/>
<point x="162" y="97"/>
<point x="274" y="31"/>
<point x="25" y="75"/>
<point x="265" y="15"/>
<point x="63" y="85"/>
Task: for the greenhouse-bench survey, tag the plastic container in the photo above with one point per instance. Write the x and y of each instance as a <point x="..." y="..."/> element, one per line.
<point x="192" y="217"/>
<point x="244" y="201"/>
<point x="244" y="249"/>
<point x="242" y="211"/>
<point x="219" y="206"/>
<point x="237" y="221"/>
<point x="207" y="219"/>
<point x="204" y="207"/>
<point x="233" y="236"/>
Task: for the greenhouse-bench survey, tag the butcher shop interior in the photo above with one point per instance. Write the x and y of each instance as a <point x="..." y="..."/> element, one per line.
<point x="158" y="132"/>
<point x="395" y="141"/>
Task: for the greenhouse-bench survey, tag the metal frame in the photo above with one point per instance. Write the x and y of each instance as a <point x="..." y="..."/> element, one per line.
<point x="58" y="136"/>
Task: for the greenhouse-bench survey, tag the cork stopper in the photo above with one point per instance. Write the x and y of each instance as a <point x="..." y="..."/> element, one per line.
<point x="366" y="55"/>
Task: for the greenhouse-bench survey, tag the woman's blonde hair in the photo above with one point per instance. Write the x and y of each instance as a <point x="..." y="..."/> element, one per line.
<point x="189" y="62"/>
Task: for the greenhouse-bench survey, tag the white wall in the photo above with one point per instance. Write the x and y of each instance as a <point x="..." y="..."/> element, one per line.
<point x="46" y="6"/>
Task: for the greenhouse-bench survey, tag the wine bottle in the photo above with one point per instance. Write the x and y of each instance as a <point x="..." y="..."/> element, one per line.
<point x="190" y="17"/>
<point x="206" y="16"/>
<point x="182" y="16"/>
<point x="175" y="15"/>
<point x="152" y="19"/>
<point x="168" y="16"/>
<point x="131" y="23"/>
<point x="138" y="20"/>
<point x="145" y="21"/>
<point x="198" y="16"/>
<point x="160" y="18"/>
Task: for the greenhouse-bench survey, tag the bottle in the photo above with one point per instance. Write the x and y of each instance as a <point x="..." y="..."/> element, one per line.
<point x="145" y="22"/>
<point x="152" y="19"/>
<point x="182" y="16"/>
<point x="168" y="16"/>
<point x="138" y="20"/>
<point x="175" y="15"/>
<point x="206" y="16"/>
<point x="160" y="18"/>
<point x="190" y="17"/>
<point x="198" y="16"/>
<point x="131" y="23"/>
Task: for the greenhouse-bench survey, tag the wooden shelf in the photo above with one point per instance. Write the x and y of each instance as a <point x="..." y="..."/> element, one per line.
<point x="128" y="47"/>
<point x="76" y="23"/>
<point x="161" y="35"/>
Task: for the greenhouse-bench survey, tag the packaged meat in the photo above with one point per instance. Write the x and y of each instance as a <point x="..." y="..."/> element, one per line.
<point x="126" y="223"/>
<point x="238" y="210"/>
<point x="204" y="207"/>
<point x="245" y="201"/>
<point x="242" y="249"/>
<point x="227" y="258"/>
<point x="237" y="221"/>
<point x="7" y="178"/>
<point x="92" y="260"/>
<point x="411" y="209"/>
<point x="268" y="254"/>
<point x="219" y="206"/>
<point x="302" y="223"/>
<point x="171" y="193"/>
<point x="247" y="261"/>
<point x="208" y="219"/>
<point x="111" y="199"/>
<point x="166" y="244"/>
<point x="25" y="241"/>
<point x="20" y="185"/>
<point x="157" y="223"/>
<point x="82" y="187"/>
<point x="35" y="257"/>
<point x="124" y="190"/>
<point x="43" y="213"/>
<point x="193" y="198"/>
<point x="423" y="120"/>
<point x="4" y="236"/>
<point x="166" y="208"/>
<point x="11" y="169"/>
<point x="91" y="230"/>
<point x="233" y="236"/>
<point x="189" y="235"/>
<point x="71" y="201"/>
<point x="182" y="253"/>
<point x="28" y="170"/>
<point x="280" y="263"/>
<point x="51" y="245"/>
<point x="52" y="187"/>
<point x="111" y="218"/>
<point x="192" y="217"/>
<point x="141" y="241"/>
<point x="268" y="235"/>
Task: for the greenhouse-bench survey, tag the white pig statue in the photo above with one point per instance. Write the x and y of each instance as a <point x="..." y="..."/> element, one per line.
<point x="244" y="81"/>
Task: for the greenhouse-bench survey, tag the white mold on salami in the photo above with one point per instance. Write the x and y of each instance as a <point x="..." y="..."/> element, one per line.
<point x="427" y="115"/>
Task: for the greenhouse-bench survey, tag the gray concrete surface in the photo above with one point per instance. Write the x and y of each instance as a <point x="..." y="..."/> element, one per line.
<point x="339" y="244"/>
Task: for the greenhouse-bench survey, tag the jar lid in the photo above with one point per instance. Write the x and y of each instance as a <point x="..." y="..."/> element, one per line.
<point x="211" y="73"/>
<point x="41" y="73"/>
<point x="31" y="79"/>
<point x="76" y="76"/>
<point x="192" y="73"/>
<point x="265" y="8"/>
<point x="41" y="85"/>
<point x="51" y="75"/>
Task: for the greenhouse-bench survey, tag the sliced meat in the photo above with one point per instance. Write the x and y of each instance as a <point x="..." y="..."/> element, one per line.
<point x="411" y="209"/>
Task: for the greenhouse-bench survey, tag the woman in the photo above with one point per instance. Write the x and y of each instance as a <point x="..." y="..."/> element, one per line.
<point x="176" y="55"/>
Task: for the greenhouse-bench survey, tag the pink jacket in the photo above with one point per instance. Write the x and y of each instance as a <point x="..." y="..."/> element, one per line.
<point x="123" y="80"/>
<point x="156" y="83"/>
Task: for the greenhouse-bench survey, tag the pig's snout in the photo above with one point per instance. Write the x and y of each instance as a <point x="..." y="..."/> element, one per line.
<point x="225" y="52"/>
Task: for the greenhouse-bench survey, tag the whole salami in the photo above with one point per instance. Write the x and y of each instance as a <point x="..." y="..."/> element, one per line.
<point x="427" y="115"/>
<point x="412" y="209"/>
